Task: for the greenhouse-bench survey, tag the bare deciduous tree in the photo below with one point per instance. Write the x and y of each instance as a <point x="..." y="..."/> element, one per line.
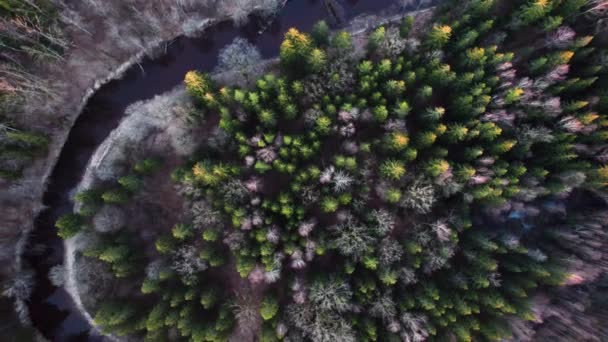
<point x="239" y="56"/>
<point x="247" y="313"/>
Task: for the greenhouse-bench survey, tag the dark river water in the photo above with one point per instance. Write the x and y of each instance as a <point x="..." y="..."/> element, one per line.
<point x="52" y="310"/>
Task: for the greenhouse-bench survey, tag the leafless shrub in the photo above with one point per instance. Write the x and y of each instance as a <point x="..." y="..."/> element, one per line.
<point x="392" y="44"/>
<point x="154" y="269"/>
<point x="20" y="286"/>
<point x="109" y="219"/>
<point x="57" y="275"/>
<point x="239" y="10"/>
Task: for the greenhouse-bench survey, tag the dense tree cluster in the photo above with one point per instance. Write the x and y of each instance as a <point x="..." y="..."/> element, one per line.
<point x="28" y="33"/>
<point x="17" y="149"/>
<point x="350" y="190"/>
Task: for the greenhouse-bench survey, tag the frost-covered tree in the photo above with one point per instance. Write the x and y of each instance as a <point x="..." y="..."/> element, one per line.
<point x="352" y="238"/>
<point x="331" y="295"/>
<point x="109" y="219"/>
<point x="382" y="221"/>
<point x="187" y="262"/>
<point x="204" y="215"/>
<point x="390" y="251"/>
<point x="407" y="276"/>
<point x="239" y="10"/>
<point x="383" y="307"/>
<point x="20" y="286"/>
<point x="239" y="56"/>
<point x="341" y="181"/>
<point x="414" y="327"/>
<point x="320" y="325"/>
<point x="419" y="196"/>
<point x="306" y="227"/>
<point x="235" y="192"/>
<point x="246" y="311"/>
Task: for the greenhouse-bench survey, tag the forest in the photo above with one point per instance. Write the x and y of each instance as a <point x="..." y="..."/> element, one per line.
<point x="425" y="180"/>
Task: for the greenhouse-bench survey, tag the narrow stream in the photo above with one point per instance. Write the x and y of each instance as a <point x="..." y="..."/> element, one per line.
<point x="52" y="310"/>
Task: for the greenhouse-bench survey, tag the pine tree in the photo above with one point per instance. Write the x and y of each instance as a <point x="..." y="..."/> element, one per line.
<point x="115" y="254"/>
<point x="392" y="169"/>
<point x="131" y="183"/>
<point x="317" y="60"/>
<point x="69" y="225"/>
<point x="269" y="308"/>
<point x="320" y="33"/>
<point x="437" y="167"/>
<point x="397" y="141"/>
<point x="406" y="26"/>
<point x="182" y="231"/>
<point x="199" y="86"/>
<point x="402" y="109"/>
<point x="534" y="11"/>
<point x="165" y="244"/>
<point x="329" y="205"/>
<point x="381" y="113"/>
<point x="376" y="38"/>
<point x="295" y="51"/>
<point x="439" y="35"/>
<point x="113" y="314"/>
<point x="342" y="42"/>
<point x="115" y="196"/>
<point x="29" y="139"/>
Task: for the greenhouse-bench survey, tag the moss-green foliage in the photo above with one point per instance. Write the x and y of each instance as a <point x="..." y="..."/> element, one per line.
<point x="147" y="166"/>
<point x="32" y="36"/>
<point x="17" y="149"/>
<point x="116" y="251"/>
<point x="69" y="225"/>
<point x="371" y="173"/>
<point x="116" y="317"/>
<point x="269" y="308"/>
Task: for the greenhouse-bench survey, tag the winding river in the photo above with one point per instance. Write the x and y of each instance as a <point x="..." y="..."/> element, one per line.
<point x="52" y="311"/>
